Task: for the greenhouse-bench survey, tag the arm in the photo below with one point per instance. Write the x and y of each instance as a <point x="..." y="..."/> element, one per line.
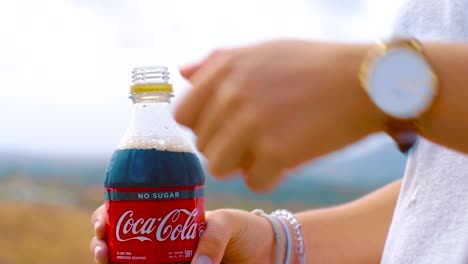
<point x="323" y="99"/>
<point x="447" y="121"/>
<point x="353" y="232"/>
<point x="350" y="233"/>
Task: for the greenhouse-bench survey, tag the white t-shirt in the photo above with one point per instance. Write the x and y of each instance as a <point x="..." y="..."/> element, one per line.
<point x="430" y="222"/>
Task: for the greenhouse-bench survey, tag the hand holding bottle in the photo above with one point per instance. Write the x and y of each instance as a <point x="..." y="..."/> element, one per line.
<point x="232" y="236"/>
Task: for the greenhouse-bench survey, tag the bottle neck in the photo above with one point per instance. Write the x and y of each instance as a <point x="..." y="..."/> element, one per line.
<point x="151" y="116"/>
<point x="152" y="124"/>
<point x="152" y="97"/>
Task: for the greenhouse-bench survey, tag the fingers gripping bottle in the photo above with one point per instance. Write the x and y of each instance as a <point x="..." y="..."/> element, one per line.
<point x="154" y="186"/>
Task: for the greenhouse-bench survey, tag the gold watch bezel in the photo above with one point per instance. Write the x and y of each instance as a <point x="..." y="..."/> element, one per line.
<point x="381" y="49"/>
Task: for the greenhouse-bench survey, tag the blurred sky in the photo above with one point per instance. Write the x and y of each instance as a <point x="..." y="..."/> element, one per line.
<point x="65" y="64"/>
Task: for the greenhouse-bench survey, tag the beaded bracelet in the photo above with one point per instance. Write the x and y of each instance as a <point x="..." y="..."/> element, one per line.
<point x="297" y="227"/>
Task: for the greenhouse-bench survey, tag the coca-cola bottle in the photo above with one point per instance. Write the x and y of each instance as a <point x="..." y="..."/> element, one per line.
<point x="154" y="186"/>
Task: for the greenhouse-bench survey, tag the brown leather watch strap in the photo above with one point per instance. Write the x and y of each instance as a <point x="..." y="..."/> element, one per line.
<point x="403" y="132"/>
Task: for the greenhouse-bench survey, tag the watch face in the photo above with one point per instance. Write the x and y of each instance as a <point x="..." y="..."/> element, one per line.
<point x="401" y="83"/>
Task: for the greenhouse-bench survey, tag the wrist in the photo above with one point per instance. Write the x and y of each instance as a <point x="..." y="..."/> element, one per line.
<point x="294" y="259"/>
<point x="279" y="237"/>
<point x="365" y="111"/>
<point x="272" y="243"/>
<point x="295" y="238"/>
<point x="271" y="238"/>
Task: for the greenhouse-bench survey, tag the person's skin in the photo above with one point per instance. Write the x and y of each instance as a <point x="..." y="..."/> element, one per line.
<point x="270" y="107"/>
<point x="350" y="233"/>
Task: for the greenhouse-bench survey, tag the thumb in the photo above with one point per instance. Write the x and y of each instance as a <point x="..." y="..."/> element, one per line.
<point x="214" y="240"/>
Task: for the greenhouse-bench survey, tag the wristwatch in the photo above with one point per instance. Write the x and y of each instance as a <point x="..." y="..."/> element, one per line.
<point x="401" y="83"/>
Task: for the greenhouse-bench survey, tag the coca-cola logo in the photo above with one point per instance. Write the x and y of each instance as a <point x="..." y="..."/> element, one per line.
<point x="169" y="227"/>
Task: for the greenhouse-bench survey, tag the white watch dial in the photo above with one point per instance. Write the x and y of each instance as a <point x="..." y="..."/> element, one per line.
<point x="401" y="83"/>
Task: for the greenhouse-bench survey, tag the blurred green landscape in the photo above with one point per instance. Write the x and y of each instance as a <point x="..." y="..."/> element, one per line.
<point x="46" y="201"/>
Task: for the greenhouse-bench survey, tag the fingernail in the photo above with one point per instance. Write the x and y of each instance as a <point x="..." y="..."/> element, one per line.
<point x="204" y="260"/>
<point x="96" y="251"/>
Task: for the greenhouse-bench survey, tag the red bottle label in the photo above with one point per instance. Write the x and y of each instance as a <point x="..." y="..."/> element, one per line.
<point x="154" y="225"/>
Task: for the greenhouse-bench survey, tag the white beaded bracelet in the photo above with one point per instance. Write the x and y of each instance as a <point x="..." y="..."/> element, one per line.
<point x="297" y="227"/>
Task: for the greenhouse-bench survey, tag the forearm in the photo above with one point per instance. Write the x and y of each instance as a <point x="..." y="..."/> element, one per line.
<point x="351" y="233"/>
<point x="447" y="121"/>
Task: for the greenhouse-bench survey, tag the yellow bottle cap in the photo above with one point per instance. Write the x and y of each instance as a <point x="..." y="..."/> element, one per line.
<point x="151" y="88"/>
<point x="151" y="79"/>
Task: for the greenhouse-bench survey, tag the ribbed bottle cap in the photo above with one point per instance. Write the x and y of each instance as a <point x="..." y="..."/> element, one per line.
<point x="151" y="79"/>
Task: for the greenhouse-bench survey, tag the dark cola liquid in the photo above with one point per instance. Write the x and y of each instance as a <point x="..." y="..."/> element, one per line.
<point x="152" y="168"/>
